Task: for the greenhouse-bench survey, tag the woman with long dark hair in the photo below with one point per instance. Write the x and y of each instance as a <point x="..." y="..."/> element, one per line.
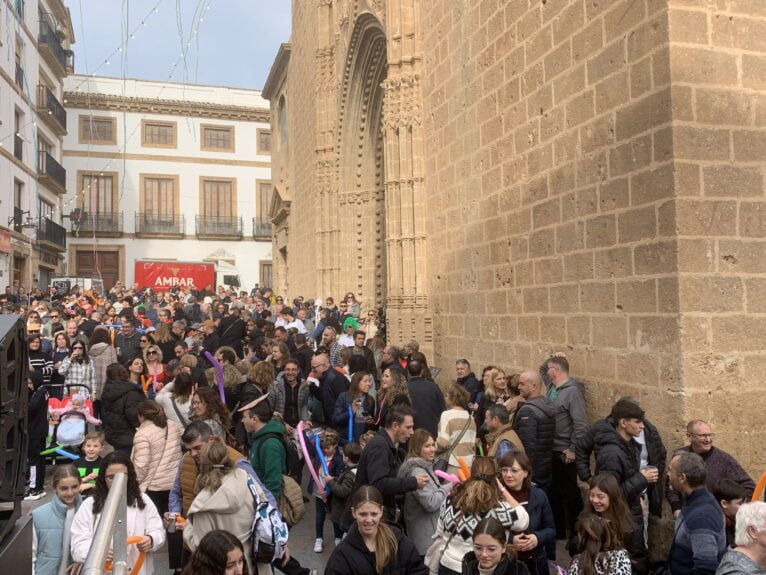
<point x="77" y="368"/>
<point x="538" y="542"/>
<point x="606" y="500"/>
<point x="143" y="519"/>
<point x="491" y="553"/>
<point x="598" y="552"/>
<point x="362" y="407"/>
<point x="206" y="406"/>
<point x="371" y="547"/>
<point x="219" y="553"/>
<point x="483" y="495"/>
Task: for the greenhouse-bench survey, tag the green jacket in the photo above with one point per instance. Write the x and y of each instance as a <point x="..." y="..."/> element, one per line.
<point x="269" y="460"/>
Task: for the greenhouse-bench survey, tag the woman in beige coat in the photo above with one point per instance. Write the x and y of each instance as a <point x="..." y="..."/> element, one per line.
<point x="223" y="501"/>
<point x="156" y="453"/>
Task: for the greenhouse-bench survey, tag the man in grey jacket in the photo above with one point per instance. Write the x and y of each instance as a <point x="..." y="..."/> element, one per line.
<point x="571" y="423"/>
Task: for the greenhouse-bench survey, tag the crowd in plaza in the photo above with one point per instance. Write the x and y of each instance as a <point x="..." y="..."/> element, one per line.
<point x="231" y="411"/>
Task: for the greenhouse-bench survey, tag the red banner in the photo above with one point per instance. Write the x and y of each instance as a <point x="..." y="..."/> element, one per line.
<point x="5" y="242"/>
<point x="162" y="276"/>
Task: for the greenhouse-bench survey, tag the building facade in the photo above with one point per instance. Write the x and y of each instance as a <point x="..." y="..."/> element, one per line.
<point x="511" y="179"/>
<point x="35" y="57"/>
<point x="166" y="171"/>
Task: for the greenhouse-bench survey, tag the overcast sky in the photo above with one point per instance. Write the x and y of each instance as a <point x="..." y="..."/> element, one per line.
<point x="234" y="44"/>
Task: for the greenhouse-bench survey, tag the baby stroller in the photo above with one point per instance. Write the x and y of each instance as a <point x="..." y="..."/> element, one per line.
<point x="68" y="417"/>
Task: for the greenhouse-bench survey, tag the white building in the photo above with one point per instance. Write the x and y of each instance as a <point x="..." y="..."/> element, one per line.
<point x="34" y="59"/>
<point x="169" y="171"/>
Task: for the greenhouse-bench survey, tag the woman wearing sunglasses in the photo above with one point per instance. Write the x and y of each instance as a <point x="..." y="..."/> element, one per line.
<point x="77" y="367"/>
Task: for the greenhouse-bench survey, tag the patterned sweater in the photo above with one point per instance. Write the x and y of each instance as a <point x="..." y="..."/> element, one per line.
<point x="451" y="423"/>
<point x="452" y="520"/>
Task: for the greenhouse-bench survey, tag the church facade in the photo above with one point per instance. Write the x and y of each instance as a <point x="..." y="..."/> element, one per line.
<point x="511" y="179"/>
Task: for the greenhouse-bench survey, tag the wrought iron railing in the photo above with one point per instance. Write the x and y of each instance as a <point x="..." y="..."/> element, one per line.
<point x="222" y="227"/>
<point x="50" y="231"/>
<point x="48" y="166"/>
<point x="49" y="37"/>
<point x="96" y="222"/>
<point x="49" y="104"/>
<point x="262" y="228"/>
<point x="151" y="223"/>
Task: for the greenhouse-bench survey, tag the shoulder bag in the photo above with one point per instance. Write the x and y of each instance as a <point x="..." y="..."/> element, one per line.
<point x="442" y="462"/>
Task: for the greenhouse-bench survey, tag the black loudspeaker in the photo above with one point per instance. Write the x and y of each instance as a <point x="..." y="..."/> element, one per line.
<point x="14" y="364"/>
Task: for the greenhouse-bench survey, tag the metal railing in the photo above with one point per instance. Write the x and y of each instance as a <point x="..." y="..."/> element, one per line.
<point x="19" y="76"/>
<point x="48" y="166"/>
<point x="113" y="521"/>
<point x="221" y="227"/>
<point x="18" y="147"/>
<point x="49" y="37"/>
<point x="49" y="104"/>
<point x="50" y="231"/>
<point x="96" y="222"/>
<point x="149" y="223"/>
<point x="262" y="228"/>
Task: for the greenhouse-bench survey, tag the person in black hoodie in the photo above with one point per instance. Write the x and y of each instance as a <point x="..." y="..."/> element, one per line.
<point x="372" y="547"/>
<point x="617" y="453"/>
<point x="491" y="552"/>
<point x="37" y="428"/>
<point x="232" y="331"/>
<point x="119" y="406"/>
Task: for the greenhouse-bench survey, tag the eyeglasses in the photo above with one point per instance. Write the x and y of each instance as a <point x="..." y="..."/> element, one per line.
<point x="143" y="340"/>
<point x="151" y="353"/>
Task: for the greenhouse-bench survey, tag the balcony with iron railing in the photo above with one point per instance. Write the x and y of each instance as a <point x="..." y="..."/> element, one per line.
<point x="50" y="47"/>
<point x="262" y="229"/>
<point x="105" y="224"/>
<point x="19" y="78"/>
<point x="51" y="233"/>
<point x="50" y="110"/>
<point x="221" y="228"/>
<point x="151" y="224"/>
<point x="18" y="147"/>
<point x="50" y="173"/>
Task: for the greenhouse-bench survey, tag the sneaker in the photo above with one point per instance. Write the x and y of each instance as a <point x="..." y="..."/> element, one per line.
<point x="338" y="541"/>
<point x="34" y="495"/>
<point x="318" y="545"/>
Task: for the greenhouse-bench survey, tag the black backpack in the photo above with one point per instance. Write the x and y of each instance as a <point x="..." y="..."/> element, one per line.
<point x="292" y="460"/>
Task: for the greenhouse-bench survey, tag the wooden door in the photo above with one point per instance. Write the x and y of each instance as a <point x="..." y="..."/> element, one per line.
<point x="99" y="264"/>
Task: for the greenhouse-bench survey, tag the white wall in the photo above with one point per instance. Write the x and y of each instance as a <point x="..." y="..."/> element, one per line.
<point x="150" y="160"/>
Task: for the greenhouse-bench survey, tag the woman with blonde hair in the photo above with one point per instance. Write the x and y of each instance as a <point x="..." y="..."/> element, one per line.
<point x="482" y="495"/>
<point x="155" y="369"/>
<point x="393" y="391"/>
<point x="371" y="547"/>
<point x="223" y="501"/>
<point x="457" y="429"/>
<point x="163" y="337"/>
<point x="496" y="391"/>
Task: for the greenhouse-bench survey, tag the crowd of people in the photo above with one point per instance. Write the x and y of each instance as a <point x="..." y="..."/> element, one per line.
<point x="228" y="411"/>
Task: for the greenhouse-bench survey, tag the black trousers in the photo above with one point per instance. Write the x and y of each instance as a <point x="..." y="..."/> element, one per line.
<point x="566" y="499"/>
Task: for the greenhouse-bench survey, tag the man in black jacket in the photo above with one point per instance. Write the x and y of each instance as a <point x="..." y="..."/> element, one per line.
<point x="535" y="425"/>
<point x="467" y="380"/>
<point x="617" y="453"/>
<point x="331" y="383"/>
<point x="231" y="331"/>
<point x="360" y="349"/>
<point x="380" y="462"/>
<point x="427" y="399"/>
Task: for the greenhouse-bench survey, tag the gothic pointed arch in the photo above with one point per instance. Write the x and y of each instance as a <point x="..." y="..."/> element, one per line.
<point x="361" y="166"/>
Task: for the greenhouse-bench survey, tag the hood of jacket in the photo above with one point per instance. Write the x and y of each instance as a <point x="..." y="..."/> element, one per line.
<point x="97" y="349"/>
<point x="115" y="389"/>
<point x="542" y="403"/>
<point x="273" y="426"/>
<point x="604" y="433"/>
<point x="227" y="499"/>
<point x="413" y="462"/>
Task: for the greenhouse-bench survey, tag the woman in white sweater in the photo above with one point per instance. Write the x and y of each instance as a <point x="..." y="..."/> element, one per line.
<point x="156" y="453"/>
<point x="451" y="424"/>
<point x="143" y="519"/>
<point x="483" y="495"/>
